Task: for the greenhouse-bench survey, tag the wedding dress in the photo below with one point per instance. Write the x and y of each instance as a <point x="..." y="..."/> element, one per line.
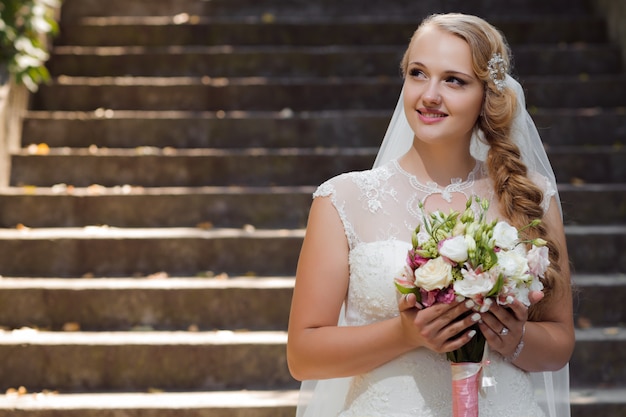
<point x="379" y="211"/>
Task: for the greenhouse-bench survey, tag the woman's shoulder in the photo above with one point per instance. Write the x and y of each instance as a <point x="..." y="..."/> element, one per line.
<point x="355" y="180"/>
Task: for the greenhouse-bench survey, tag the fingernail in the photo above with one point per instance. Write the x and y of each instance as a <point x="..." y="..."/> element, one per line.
<point x="469" y="304"/>
<point x="475" y="317"/>
<point x="459" y="298"/>
<point x="471" y="333"/>
<point x="484" y="308"/>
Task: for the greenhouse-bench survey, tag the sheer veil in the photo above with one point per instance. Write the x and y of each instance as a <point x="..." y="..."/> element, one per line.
<point x="325" y="398"/>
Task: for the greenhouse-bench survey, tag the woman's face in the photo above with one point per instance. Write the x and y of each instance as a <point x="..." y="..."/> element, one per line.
<point x="442" y="95"/>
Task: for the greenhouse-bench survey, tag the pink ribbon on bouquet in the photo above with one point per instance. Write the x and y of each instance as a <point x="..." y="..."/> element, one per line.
<point x="467" y="380"/>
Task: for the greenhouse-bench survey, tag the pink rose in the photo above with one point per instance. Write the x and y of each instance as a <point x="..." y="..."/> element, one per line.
<point x="538" y="260"/>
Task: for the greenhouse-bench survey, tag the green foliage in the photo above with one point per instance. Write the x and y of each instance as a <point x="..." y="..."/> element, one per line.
<point x="24" y="28"/>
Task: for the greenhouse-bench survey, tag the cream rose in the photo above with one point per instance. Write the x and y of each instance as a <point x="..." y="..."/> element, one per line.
<point x="505" y="235"/>
<point x="435" y="274"/>
<point x="454" y="249"/>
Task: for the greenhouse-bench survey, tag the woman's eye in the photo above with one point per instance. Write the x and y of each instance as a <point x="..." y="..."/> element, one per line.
<point x="416" y="72"/>
<point x="456" y="81"/>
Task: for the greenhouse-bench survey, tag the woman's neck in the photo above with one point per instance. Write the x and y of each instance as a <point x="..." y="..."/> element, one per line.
<point x="438" y="163"/>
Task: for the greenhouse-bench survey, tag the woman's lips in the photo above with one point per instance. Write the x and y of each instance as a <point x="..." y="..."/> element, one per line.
<point x="431" y="116"/>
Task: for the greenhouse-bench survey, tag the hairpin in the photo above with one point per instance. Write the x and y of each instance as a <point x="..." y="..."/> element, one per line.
<point x="497" y="70"/>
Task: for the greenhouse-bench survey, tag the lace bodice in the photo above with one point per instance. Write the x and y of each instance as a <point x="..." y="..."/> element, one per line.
<point x="379" y="211"/>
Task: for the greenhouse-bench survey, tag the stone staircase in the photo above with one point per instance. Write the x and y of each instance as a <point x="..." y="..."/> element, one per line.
<point x="152" y="225"/>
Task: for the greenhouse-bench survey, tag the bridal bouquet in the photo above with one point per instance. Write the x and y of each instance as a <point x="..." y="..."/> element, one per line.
<point x="463" y="255"/>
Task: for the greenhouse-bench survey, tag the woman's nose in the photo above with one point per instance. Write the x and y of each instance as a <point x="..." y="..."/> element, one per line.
<point x="431" y="94"/>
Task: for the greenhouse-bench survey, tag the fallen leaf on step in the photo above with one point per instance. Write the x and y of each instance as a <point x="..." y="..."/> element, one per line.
<point x="71" y="326"/>
<point x="180" y="18"/>
<point x="205" y="225"/>
<point x="611" y="331"/>
<point x="158" y="275"/>
<point x="19" y="391"/>
<point x="268" y="18"/>
<point x="95" y="189"/>
<point x="39" y="149"/>
<point x="29" y="189"/>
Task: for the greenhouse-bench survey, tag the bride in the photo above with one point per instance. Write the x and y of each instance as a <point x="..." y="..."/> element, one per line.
<point x="460" y="130"/>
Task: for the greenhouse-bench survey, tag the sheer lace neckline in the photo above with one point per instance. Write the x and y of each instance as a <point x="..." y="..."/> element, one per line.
<point x="431" y="187"/>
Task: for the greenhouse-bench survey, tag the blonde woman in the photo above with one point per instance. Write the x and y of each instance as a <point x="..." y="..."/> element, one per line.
<point x="460" y="130"/>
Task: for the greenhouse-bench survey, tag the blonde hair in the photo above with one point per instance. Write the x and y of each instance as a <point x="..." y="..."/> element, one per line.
<point x="520" y="198"/>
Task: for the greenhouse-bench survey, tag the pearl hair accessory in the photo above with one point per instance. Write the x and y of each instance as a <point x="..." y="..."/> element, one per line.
<point x="497" y="70"/>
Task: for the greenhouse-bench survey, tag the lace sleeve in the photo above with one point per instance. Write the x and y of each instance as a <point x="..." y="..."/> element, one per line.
<point x="332" y="189"/>
<point x="546" y="186"/>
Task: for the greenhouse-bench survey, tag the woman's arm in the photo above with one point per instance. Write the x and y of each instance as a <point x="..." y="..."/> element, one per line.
<point x="317" y="348"/>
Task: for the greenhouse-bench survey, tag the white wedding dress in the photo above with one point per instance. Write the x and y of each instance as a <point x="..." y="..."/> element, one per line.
<point x="379" y="211"/>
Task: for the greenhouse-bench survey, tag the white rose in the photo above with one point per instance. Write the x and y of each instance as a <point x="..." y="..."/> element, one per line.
<point x="513" y="265"/>
<point x="538" y="260"/>
<point x="505" y="235"/>
<point x="474" y="284"/>
<point x="454" y="249"/>
<point x="521" y="294"/>
<point x="435" y="274"/>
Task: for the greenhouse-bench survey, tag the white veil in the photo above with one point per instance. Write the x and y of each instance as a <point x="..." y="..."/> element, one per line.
<point x="325" y="398"/>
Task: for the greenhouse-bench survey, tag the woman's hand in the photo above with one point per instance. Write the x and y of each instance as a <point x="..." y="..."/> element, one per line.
<point x="503" y="327"/>
<point x="440" y="328"/>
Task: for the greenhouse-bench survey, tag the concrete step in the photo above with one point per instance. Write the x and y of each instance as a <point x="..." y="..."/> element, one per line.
<point x="592" y="402"/>
<point x="157" y="303"/>
<point x="187" y="168"/>
<point x="106" y="251"/>
<point x="596" y="249"/>
<point x="140" y="361"/>
<point x="261" y="207"/>
<point x="275" y="94"/>
<point x="593" y="293"/>
<point x="592" y="165"/>
<point x="307" y="31"/>
<point x="308" y="129"/>
<point x="589" y="402"/>
<point x="152" y="167"/>
<point x="597" y="355"/>
<point x="593" y="203"/>
<point x="247" y="403"/>
<point x="202" y="304"/>
<point x="73" y="9"/>
<point x="223" y="360"/>
<point x="325" y="61"/>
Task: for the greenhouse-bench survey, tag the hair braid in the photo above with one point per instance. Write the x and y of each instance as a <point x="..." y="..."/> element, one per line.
<point x="519" y="197"/>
